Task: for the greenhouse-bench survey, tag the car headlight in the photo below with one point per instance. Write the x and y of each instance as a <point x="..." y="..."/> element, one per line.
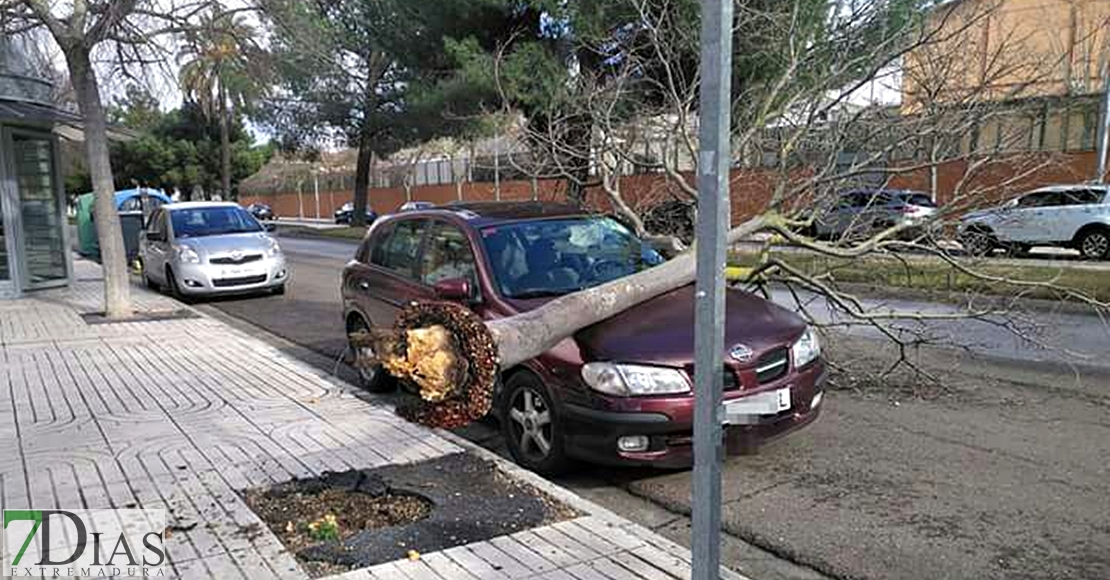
<point x="187" y="255"/>
<point x="806" y="349"/>
<point x="274" y="249"/>
<point x="634" y="380"/>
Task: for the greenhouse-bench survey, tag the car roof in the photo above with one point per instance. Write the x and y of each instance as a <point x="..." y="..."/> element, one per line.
<point x="485" y="213"/>
<point x="1069" y="187"/>
<point x="198" y="204"/>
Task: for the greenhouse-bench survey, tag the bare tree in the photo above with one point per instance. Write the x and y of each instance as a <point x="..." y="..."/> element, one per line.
<point x="122" y="31"/>
<point x="801" y="131"/>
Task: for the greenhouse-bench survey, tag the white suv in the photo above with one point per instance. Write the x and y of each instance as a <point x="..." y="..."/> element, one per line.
<point x="1070" y="216"/>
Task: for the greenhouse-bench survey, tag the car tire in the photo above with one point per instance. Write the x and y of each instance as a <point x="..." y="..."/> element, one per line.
<point x="374" y="379"/>
<point x="978" y="243"/>
<point x="278" y="290"/>
<point x="531" y="426"/>
<point x="175" y="288"/>
<point x="1094" y="244"/>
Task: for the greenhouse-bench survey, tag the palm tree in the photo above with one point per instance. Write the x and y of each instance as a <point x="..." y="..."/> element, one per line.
<point x="219" y="66"/>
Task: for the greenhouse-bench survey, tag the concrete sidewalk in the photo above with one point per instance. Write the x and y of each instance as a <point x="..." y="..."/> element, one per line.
<point x="183" y="414"/>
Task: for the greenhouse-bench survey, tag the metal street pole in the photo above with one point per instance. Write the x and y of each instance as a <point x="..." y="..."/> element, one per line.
<point x="714" y="161"/>
<point x="1104" y="128"/>
<point x="316" y="191"/>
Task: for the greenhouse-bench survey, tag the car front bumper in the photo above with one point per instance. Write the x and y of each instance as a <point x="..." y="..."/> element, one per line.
<point x="212" y="279"/>
<point x="591" y="434"/>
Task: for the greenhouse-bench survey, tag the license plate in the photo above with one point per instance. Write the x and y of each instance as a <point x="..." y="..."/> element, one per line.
<point x="236" y="272"/>
<point x="766" y="403"/>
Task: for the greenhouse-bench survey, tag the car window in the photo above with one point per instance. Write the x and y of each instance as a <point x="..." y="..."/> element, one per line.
<point x="378" y="243"/>
<point x="1082" y="197"/>
<point x="1040" y="199"/>
<point x="552" y="257"/>
<point x="447" y="255"/>
<point x="157" y="222"/>
<point x="212" y="221"/>
<point x="401" y="250"/>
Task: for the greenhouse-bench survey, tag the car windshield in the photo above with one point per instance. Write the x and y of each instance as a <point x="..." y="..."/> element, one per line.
<point x="554" y="257"/>
<point x="212" y="221"/>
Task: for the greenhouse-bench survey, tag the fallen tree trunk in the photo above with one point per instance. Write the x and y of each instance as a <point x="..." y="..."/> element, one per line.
<point x="453" y="357"/>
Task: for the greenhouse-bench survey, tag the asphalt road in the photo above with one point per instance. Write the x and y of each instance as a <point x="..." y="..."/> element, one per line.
<point x="999" y="470"/>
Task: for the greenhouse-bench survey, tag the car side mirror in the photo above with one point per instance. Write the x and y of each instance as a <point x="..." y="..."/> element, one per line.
<point x="454" y="289"/>
<point x="269" y="227"/>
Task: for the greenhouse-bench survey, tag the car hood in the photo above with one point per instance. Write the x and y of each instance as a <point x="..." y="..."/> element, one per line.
<point x="661" y="330"/>
<point x="249" y="243"/>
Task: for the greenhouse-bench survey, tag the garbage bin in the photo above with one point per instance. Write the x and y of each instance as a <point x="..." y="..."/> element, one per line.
<point x="129" y="204"/>
<point x="86" y="230"/>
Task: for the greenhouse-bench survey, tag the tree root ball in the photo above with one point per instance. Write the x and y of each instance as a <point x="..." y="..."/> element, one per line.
<point x="456" y="366"/>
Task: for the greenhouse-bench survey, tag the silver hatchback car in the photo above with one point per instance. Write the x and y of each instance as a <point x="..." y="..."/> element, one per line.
<point x="208" y="248"/>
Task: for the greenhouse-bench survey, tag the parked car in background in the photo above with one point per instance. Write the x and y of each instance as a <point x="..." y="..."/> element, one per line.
<point x="346" y="211"/>
<point x="415" y="205"/>
<point x="261" y="211"/>
<point x="861" y="213"/>
<point x="1067" y="216"/>
<point x="618" y="392"/>
<point x="207" y="248"/>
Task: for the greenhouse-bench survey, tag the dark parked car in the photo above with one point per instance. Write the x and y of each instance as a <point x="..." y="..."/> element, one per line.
<point x="346" y="211"/>
<point x="261" y="211"/>
<point x="617" y="392"/>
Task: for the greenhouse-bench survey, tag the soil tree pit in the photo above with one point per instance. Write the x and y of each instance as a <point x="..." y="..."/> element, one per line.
<point x="358" y="518"/>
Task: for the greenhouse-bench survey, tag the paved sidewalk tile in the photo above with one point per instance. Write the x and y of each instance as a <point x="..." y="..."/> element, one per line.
<point x="184" y="414"/>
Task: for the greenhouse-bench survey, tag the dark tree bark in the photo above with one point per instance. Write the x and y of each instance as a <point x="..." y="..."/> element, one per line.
<point x="362" y="180"/>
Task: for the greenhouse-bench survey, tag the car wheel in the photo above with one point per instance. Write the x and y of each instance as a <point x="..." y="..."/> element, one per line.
<point x="279" y="290"/>
<point x="374" y="379"/>
<point x="977" y="242"/>
<point x="531" y="426"/>
<point x="175" y="288"/>
<point x="1094" y="244"/>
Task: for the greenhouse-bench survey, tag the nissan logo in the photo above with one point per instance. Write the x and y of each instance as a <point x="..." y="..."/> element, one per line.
<point x="740" y="353"/>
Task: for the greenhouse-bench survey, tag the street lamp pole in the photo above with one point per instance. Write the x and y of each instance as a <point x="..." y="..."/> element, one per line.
<point x="714" y="161"/>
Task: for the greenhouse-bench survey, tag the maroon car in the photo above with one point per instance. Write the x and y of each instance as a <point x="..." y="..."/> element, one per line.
<point x="617" y="392"/>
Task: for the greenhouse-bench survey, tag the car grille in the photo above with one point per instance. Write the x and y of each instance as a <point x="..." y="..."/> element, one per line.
<point x="730" y="381"/>
<point x="773" y="365"/>
<point x="241" y="260"/>
<point x="240" y="281"/>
